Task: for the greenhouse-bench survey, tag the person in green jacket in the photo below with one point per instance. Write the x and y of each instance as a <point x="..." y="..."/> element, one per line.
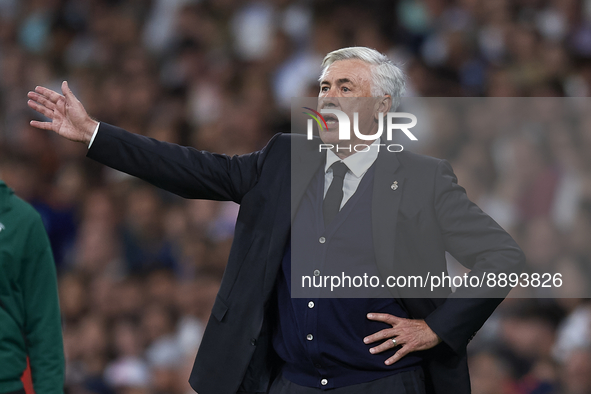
<point x="30" y="323"/>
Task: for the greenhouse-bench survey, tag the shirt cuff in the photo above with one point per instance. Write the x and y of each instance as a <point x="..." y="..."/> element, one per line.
<point x="94" y="134"/>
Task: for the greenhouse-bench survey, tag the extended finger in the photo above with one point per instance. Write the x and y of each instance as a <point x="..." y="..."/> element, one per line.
<point x="41" y="125"/>
<point x="67" y="91"/>
<point x="386" y="345"/>
<point x="384" y="317"/>
<point x="41" y="100"/>
<point x="380" y="335"/>
<point x="43" y="110"/>
<point x="403" y="351"/>
<point x="50" y="94"/>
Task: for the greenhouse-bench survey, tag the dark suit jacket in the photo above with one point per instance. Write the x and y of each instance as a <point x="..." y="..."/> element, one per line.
<point x="425" y="216"/>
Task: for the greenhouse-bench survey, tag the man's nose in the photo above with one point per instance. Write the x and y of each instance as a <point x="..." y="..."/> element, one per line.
<point x="328" y="102"/>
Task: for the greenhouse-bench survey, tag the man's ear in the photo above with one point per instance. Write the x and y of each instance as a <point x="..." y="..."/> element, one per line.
<point x="383" y="106"/>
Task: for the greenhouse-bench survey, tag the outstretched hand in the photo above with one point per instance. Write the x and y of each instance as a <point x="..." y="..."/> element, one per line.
<point x="411" y="335"/>
<point x="68" y="116"/>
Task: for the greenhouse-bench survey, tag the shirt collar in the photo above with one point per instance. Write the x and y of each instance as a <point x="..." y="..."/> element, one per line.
<point x="358" y="162"/>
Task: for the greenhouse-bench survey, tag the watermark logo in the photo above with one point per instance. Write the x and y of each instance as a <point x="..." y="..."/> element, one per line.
<point x="315" y="115"/>
<point x="345" y="128"/>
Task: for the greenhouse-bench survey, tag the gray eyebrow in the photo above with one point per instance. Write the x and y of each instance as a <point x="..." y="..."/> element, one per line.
<point x="339" y="81"/>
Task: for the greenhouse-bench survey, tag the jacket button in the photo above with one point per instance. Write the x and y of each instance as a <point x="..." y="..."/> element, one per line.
<point x="253" y="341"/>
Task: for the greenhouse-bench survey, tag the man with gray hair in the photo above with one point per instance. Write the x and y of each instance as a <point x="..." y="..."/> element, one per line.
<point x="381" y="212"/>
<point x="386" y="78"/>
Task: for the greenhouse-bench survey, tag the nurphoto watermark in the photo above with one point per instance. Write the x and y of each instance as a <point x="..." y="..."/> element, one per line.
<point x="355" y="136"/>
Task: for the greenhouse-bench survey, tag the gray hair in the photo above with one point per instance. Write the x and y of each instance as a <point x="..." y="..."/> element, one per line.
<point x="387" y="78"/>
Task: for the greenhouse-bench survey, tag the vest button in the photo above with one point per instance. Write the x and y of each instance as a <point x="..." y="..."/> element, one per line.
<point x="316" y="272"/>
<point x="322" y="240"/>
<point x="324" y="382"/>
<point x="309" y="337"/>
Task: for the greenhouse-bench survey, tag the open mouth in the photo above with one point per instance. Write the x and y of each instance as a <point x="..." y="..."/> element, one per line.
<point x="331" y="120"/>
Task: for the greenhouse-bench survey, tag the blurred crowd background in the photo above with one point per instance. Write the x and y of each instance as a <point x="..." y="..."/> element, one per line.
<point x="139" y="268"/>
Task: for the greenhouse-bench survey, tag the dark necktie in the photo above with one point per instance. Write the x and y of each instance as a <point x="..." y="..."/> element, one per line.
<point x="334" y="195"/>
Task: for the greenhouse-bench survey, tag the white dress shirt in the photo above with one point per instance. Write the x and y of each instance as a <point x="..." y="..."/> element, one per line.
<point x="94" y="135"/>
<point x="358" y="164"/>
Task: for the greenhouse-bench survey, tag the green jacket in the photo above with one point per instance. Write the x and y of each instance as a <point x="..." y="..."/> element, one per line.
<point x="30" y="323"/>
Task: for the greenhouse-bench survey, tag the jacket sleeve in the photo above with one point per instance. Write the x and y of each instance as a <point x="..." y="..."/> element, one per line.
<point x="42" y="324"/>
<point x="479" y="243"/>
<point x="185" y="171"/>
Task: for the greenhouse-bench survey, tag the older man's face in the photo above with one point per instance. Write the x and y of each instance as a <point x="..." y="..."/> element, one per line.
<point x="344" y="81"/>
<point x="346" y="78"/>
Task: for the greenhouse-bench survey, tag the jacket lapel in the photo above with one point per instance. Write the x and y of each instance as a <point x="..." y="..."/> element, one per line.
<point x="305" y="160"/>
<point x="387" y="192"/>
<point x="279" y="236"/>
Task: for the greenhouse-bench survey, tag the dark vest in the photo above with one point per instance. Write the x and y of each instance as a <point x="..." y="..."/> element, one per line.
<point x="321" y="339"/>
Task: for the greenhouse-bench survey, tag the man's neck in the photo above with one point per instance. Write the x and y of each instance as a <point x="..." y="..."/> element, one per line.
<point x="357" y="164"/>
